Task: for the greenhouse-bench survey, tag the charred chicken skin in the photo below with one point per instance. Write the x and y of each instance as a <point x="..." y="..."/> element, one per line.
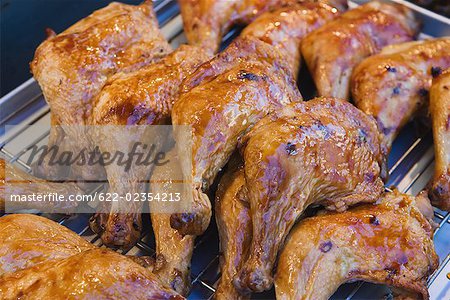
<point x="394" y="84"/>
<point x="206" y="21"/>
<point x="28" y="240"/>
<point x="324" y="151"/>
<point x="440" y="114"/>
<point x="72" y="67"/>
<point x="332" y="51"/>
<point x="92" y="274"/>
<point x="235" y="230"/>
<point x="142" y="97"/>
<point x="14" y="181"/>
<point x="227" y="95"/>
<point x="388" y="243"/>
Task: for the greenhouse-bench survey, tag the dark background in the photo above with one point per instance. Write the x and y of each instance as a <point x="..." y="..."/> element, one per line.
<point x="22" y="29"/>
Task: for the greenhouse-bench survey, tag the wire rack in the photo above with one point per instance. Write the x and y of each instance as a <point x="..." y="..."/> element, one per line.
<point x="411" y="165"/>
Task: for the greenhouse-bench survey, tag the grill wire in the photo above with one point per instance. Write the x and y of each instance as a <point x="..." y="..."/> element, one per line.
<point x="205" y="261"/>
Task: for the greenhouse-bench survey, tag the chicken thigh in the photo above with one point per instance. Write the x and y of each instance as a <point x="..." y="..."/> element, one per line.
<point x="388" y="243"/>
<point x="227" y="95"/>
<point x="92" y="274"/>
<point x="207" y="21"/>
<point x="394" y="84"/>
<point x="440" y="114"/>
<point x="142" y="97"/>
<point x="72" y="68"/>
<point x="332" y="51"/>
<point x="324" y="151"/>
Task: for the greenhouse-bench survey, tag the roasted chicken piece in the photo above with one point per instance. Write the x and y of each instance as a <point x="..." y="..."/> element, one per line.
<point x="142" y="97"/>
<point x="206" y="21"/>
<point x="173" y="250"/>
<point x="235" y="230"/>
<point x="388" y="243"/>
<point x="28" y="240"/>
<point x="227" y="95"/>
<point x="92" y="274"/>
<point x="72" y="67"/>
<point x="15" y="182"/>
<point x="394" y="84"/>
<point x="324" y="151"/>
<point x="332" y="51"/>
<point x="440" y="114"/>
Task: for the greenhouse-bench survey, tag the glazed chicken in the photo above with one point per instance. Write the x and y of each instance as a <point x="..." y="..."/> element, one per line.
<point x="235" y="230"/>
<point x="28" y="240"/>
<point x="227" y="95"/>
<point x="332" y="51"/>
<point x="93" y="274"/>
<point x="173" y="250"/>
<point x="206" y="21"/>
<point x="324" y="151"/>
<point x="393" y="85"/>
<point x="72" y="67"/>
<point x="440" y="114"/>
<point x="14" y="181"/>
<point x="388" y="243"/>
<point x="142" y="97"/>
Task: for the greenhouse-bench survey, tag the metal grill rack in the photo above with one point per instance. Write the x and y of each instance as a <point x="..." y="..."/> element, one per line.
<point x="411" y="165"/>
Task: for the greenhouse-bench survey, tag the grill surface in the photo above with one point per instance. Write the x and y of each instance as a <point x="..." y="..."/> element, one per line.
<point x="411" y="165"/>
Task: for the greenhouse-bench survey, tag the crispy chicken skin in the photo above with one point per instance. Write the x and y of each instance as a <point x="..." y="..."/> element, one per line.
<point x="173" y="250"/>
<point x="388" y="243"/>
<point x="235" y="230"/>
<point x="323" y="151"/>
<point x="227" y="95"/>
<point x="28" y="240"/>
<point x="440" y="113"/>
<point x="14" y="181"/>
<point x="96" y="273"/>
<point x="394" y="84"/>
<point x="142" y="97"/>
<point x="72" y="67"/>
<point x="332" y="51"/>
<point x="206" y="21"/>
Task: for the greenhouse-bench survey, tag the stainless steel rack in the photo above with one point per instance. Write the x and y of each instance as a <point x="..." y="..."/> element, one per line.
<point x="410" y="164"/>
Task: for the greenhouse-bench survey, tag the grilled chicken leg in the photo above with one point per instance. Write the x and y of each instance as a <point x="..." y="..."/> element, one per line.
<point x="142" y="97"/>
<point x="92" y="274"/>
<point x="227" y="95"/>
<point x="323" y="151"/>
<point x="332" y="51"/>
<point x="235" y="230"/>
<point x="173" y="250"/>
<point x="388" y="243"/>
<point x="72" y="67"/>
<point x="440" y="114"/>
<point x="28" y="240"/>
<point x="394" y="84"/>
<point x="206" y="21"/>
<point x="15" y="182"/>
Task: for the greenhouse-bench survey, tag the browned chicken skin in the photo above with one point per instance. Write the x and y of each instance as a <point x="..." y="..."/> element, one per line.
<point x="93" y="274"/>
<point x="332" y="51"/>
<point x="323" y="151"/>
<point x="28" y="240"/>
<point x="440" y="114"/>
<point x="235" y="230"/>
<point x="173" y="250"/>
<point x="226" y="96"/>
<point x="206" y="21"/>
<point x="14" y="181"/>
<point x="394" y="84"/>
<point x="142" y="97"/>
<point x="73" y="67"/>
<point x="388" y="243"/>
